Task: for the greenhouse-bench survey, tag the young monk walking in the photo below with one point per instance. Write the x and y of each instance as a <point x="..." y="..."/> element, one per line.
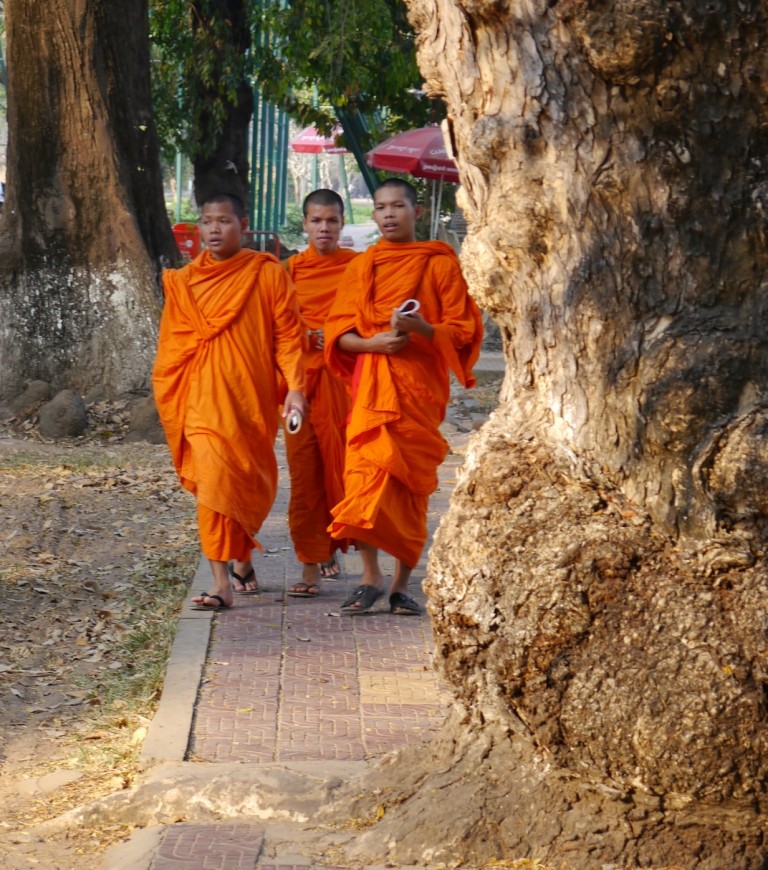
<point x="316" y="452"/>
<point x="398" y="366"/>
<point x="229" y="322"/>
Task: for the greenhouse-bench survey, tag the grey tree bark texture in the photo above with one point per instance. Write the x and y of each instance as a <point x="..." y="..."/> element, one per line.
<point x="84" y="230"/>
<point x="598" y="587"/>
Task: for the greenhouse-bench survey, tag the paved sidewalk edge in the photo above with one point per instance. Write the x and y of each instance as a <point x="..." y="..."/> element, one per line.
<point x="171" y="726"/>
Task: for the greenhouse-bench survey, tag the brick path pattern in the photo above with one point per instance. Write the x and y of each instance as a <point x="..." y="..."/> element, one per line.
<point x="293" y="679"/>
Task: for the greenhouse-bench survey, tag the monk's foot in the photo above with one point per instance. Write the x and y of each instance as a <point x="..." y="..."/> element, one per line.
<point x="245" y="584"/>
<point x="403" y="605"/>
<point x="309" y="587"/>
<point x="331" y="568"/>
<point x="304" y="590"/>
<point x="362" y="599"/>
<point x="211" y="601"/>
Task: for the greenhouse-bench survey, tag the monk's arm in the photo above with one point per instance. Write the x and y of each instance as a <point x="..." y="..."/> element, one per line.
<point x="459" y="333"/>
<point x="288" y="329"/>
<point x="382" y="342"/>
<point x="458" y="323"/>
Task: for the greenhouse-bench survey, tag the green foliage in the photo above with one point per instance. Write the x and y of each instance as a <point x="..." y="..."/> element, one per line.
<point x="188" y="211"/>
<point x="361" y="212"/>
<point x="292" y="231"/>
<point x="308" y="57"/>
<point x="357" y="55"/>
<point x="199" y="62"/>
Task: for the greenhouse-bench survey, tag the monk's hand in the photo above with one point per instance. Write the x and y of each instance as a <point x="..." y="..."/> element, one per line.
<point x="388" y="342"/>
<point x="295" y="400"/>
<point x="408" y="323"/>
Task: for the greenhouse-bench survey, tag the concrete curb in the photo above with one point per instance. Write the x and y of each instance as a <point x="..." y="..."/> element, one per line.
<point x="169" y="732"/>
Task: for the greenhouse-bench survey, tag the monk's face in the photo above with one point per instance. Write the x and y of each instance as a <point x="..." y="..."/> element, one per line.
<point x="323" y="225"/>
<point x="395" y="215"/>
<point x="221" y="229"/>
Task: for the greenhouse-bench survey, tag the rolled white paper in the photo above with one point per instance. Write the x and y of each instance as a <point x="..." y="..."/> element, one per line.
<point x="410" y="306"/>
<point x="293" y="421"/>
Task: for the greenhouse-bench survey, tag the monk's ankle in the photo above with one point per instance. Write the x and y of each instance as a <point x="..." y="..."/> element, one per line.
<point x="310" y="572"/>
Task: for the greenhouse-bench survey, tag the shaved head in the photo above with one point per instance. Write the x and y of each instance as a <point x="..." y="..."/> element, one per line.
<point x="323" y="196"/>
<point x="409" y="191"/>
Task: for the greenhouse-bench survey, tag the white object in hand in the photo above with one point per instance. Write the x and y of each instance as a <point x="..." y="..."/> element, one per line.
<point x="410" y="306"/>
<point x="293" y="421"/>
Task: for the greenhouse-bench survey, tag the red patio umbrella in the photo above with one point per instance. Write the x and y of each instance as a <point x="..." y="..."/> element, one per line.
<point x="310" y="141"/>
<point x="420" y="153"/>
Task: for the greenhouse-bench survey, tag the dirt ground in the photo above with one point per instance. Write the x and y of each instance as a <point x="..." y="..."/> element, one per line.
<point x="97" y="544"/>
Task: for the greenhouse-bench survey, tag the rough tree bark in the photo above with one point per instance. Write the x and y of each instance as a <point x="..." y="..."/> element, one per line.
<point x="84" y="228"/>
<point x="598" y="587"/>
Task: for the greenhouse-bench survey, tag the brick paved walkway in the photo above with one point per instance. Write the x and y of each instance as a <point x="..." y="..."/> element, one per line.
<point x="292" y="679"/>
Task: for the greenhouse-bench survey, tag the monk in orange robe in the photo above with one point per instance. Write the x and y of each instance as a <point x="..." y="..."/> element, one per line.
<point x="230" y="323"/>
<point x="316" y="452"/>
<point x="398" y="367"/>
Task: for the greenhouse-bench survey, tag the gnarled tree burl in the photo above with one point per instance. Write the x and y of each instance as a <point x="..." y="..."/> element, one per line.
<point x="598" y="587"/>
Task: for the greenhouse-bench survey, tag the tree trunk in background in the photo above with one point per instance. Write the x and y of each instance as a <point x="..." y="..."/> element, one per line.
<point x="222" y="166"/>
<point x="84" y="228"/>
<point x="599" y="586"/>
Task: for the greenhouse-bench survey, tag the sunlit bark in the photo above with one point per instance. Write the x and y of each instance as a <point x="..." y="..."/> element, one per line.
<point x="84" y="228"/>
<point x="598" y="587"/>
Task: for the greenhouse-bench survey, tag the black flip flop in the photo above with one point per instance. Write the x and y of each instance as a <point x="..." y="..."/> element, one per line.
<point x="330" y="569"/>
<point x="305" y="593"/>
<point x="242" y="581"/>
<point x="403" y="605"/>
<point x="222" y="605"/>
<point x="362" y="599"/>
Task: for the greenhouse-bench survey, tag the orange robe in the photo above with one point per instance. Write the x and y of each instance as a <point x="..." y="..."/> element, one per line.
<point x="316" y="453"/>
<point x="227" y="327"/>
<point x="394" y="445"/>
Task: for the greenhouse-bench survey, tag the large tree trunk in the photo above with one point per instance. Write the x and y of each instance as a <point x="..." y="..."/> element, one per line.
<point x="84" y="228"/>
<point x="599" y="585"/>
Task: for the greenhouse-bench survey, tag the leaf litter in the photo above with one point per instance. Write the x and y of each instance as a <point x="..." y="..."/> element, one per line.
<point x="97" y="544"/>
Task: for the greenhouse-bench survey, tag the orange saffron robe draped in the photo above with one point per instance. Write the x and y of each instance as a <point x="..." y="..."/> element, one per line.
<point x="316" y="453"/>
<point x="227" y="327"/>
<point x="394" y="445"/>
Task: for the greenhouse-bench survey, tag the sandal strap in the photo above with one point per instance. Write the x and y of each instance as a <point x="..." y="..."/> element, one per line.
<point x="243" y="580"/>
